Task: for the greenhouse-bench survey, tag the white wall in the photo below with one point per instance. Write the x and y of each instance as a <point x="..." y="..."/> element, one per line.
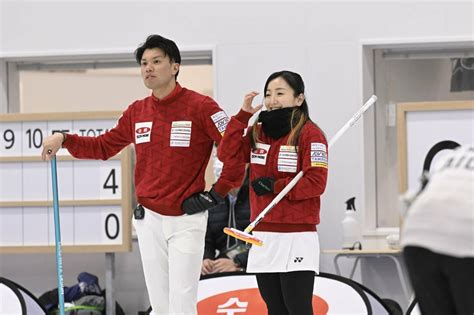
<point x="320" y="39"/>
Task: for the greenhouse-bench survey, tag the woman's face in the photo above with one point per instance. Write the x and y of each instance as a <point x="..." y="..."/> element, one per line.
<point x="280" y="95"/>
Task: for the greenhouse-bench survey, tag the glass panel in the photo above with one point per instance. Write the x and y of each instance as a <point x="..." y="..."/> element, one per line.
<point x="97" y="89"/>
<point x="398" y="81"/>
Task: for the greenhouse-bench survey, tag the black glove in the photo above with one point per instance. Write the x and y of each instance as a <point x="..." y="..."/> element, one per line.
<point x="202" y="201"/>
<point x="263" y="185"/>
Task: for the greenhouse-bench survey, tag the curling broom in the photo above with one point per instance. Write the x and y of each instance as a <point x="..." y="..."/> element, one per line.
<point x="57" y="233"/>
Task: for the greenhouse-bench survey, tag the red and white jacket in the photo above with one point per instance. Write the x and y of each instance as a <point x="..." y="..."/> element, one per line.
<point x="299" y="210"/>
<point x="173" y="140"/>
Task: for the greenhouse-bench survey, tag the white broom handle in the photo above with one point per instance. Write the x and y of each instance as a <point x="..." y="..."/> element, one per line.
<point x="293" y="182"/>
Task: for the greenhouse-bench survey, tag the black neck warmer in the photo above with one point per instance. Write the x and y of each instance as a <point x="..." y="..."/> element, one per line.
<point x="276" y="123"/>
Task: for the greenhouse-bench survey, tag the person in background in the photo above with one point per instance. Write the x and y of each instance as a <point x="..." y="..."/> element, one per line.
<point x="173" y="131"/>
<point x="282" y="142"/>
<point x="223" y="253"/>
<point x="438" y="237"/>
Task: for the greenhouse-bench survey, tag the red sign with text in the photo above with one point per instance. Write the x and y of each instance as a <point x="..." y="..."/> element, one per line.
<point x="246" y="301"/>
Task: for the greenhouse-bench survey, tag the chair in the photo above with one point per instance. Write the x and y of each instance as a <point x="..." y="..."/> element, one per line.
<point x="379" y="305"/>
<point x="413" y="308"/>
<point x="16" y="300"/>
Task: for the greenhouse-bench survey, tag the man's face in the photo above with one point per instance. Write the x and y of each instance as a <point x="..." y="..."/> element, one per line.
<point x="157" y="69"/>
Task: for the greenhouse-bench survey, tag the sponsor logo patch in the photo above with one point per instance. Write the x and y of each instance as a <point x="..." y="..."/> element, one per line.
<point x="143" y="132"/>
<point x="288" y="159"/>
<point x="319" y="156"/>
<point x="180" y="135"/>
<point x="259" y="154"/>
<point x="220" y="120"/>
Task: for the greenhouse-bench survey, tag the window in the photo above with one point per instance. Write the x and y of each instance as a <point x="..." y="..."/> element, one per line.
<point x="407" y="74"/>
<point x="70" y="90"/>
<point x="92" y="82"/>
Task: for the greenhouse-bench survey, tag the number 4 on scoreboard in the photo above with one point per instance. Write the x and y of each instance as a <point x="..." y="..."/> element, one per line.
<point x="110" y="182"/>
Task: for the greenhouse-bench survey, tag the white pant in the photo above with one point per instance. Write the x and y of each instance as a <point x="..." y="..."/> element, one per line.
<point x="172" y="249"/>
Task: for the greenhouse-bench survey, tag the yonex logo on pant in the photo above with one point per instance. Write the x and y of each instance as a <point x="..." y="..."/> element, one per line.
<point x="298" y="259"/>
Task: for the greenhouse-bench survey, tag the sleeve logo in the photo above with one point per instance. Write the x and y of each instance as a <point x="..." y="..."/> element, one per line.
<point x="319" y="156"/>
<point x="220" y="120"/>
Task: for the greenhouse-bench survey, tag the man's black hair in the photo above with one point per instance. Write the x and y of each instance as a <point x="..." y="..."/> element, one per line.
<point x="168" y="47"/>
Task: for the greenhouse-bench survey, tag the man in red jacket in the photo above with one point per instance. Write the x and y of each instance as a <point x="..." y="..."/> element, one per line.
<point x="173" y="131"/>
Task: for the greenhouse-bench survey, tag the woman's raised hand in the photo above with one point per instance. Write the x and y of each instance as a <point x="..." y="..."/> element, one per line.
<point x="247" y="106"/>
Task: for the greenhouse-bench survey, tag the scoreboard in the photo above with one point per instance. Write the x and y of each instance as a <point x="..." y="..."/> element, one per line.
<point x="95" y="197"/>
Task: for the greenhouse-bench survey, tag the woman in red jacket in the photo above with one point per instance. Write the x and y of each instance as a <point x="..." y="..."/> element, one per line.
<point x="282" y="142"/>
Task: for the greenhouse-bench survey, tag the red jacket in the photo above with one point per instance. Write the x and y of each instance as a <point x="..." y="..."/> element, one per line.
<point x="299" y="210"/>
<point x="173" y="140"/>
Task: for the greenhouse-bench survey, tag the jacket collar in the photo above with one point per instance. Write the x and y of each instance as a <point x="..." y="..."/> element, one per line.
<point x="170" y="97"/>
